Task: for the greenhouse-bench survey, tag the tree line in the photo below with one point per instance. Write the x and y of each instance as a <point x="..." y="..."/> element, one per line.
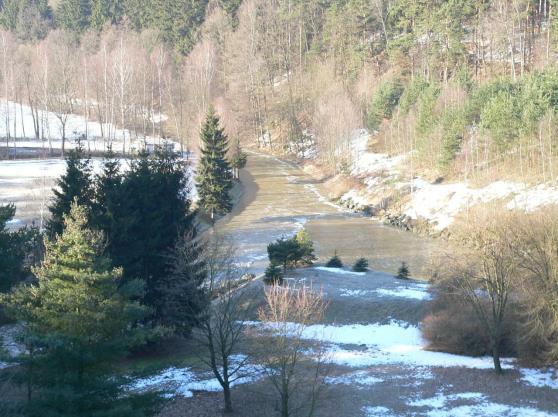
<point x="121" y="266"/>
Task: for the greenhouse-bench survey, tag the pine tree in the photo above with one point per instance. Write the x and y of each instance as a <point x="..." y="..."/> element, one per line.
<point x="80" y="318"/>
<point x="238" y="160"/>
<point x="214" y="180"/>
<point x="15" y="247"/>
<point x="306" y="246"/>
<point x="403" y="271"/>
<point x="74" y="15"/>
<point x="334" y="261"/>
<point x="152" y="213"/>
<point x="361" y="265"/>
<point x="107" y="195"/>
<point x="273" y="274"/>
<point x="182" y="293"/>
<point x="76" y="183"/>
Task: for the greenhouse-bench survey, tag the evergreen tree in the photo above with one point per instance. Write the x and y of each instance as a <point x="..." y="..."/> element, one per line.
<point x="15" y="246"/>
<point x="403" y="271"/>
<point x="79" y="318"/>
<point x="182" y="293"/>
<point x="334" y="262"/>
<point x="238" y="160"/>
<point x="107" y="195"/>
<point x="73" y="15"/>
<point x="285" y="252"/>
<point x="76" y="183"/>
<point x="152" y="212"/>
<point x="361" y="265"/>
<point x="214" y="180"/>
<point x="306" y="246"/>
<point x="273" y="274"/>
<point x="106" y="11"/>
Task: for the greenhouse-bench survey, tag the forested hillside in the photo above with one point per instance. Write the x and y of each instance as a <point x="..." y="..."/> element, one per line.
<point x="463" y="87"/>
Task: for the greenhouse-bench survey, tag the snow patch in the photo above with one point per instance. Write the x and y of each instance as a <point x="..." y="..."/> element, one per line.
<point x="355" y="378"/>
<point x="406" y="292"/>
<point x="394" y="343"/>
<point x="339" y="271"/>
<point x="183" y="381"/>
<point x="540" y="378"/>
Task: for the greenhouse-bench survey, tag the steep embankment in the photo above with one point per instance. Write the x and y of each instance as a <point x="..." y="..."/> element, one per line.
<point x="388" y="187"/>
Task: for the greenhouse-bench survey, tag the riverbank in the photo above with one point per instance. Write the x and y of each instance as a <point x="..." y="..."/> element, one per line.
<point x="390" y="189"/>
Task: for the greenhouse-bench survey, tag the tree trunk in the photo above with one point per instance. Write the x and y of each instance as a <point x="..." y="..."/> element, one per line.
<point x="228" y="401"/>
<point x="496" y="357"/>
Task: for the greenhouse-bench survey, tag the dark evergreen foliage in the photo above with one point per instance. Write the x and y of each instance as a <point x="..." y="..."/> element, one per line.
<point x="108" y="198"/>
<point x="290" y="252"/>
<point x="273" y="274"/>
<point x="15" y="248"/>
<point x="334" y="262"/>
<point x="214" y="179"/>
<point x="403" y="271"/>
<point x="79" y="320"/>
<point x="76" y="183"/>
<point x="151" y="213"/>
<point x="73" y="15"/>
<point x="182" y="293"/>
<point x="361" y="265"/>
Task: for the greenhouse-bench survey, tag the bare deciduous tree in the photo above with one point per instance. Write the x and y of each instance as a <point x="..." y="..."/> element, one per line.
<point x="222" y="327"/>
<point x="297" y="379"/>
<point x="485" y="275"/>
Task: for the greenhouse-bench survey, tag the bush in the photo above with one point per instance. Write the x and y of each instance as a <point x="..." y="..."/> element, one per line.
<point x="306" y="247"/>
<point x="361" y="265"/>
<point x="289" y="252"/>
<point x="403" y="271"/>
<point x="273" y="274"/>
<point x="453" y="326"/>
<point x="334" y="262"/>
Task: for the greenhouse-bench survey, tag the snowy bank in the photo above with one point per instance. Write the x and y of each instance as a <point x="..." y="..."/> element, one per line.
<point x="385" y="179"/>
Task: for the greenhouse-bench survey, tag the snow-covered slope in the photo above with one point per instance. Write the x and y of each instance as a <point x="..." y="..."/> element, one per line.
<point x="17" y="123"/>
<point x="385" y="178"/>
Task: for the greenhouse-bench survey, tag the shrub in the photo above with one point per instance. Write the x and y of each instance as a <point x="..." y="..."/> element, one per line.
<point x="306" y="246"/>
<point x="361" y="265"/>
<point x="285" y="252"/>
<point x="334" y="262"/>
<point x="273" y="274"/>
<point x="289" y="252"/>
<point x="453" y="326"/>
<point x="403" y="271"/>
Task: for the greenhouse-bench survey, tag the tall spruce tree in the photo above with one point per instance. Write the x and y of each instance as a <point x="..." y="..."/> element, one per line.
<point x="238" y="160"/>
<point x="152" y="212"/>
<point x="76" y="183"/>
<point x="107" y="198"/>
<point x="183" y="295"/>
<point x="80" y="318"/>
<point x="214" y="179"/>
<point x="73" y="15"/>
<point x="15" y="247"/>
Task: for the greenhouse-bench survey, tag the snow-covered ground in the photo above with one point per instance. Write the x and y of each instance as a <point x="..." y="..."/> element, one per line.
<point x="16" y="121"/>
<point x="184" y="381"/>
<point x="28" y="183"/>
<point x="438" y="204"/>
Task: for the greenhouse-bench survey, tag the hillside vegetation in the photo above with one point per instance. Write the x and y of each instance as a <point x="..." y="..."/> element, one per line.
<point x="466" y="87"/>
